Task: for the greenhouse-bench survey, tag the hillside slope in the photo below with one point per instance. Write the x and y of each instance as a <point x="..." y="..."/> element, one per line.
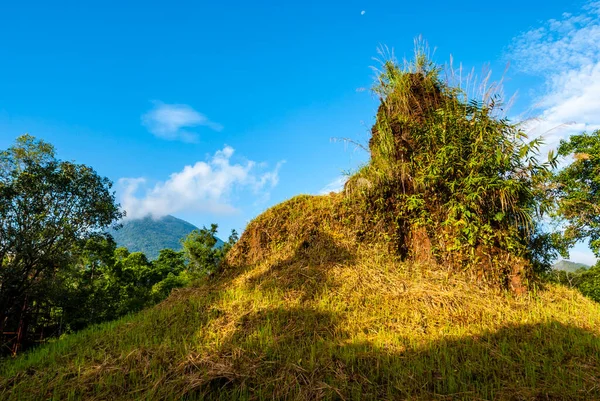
<point x="569" y="266"/>
<point x="150" y="235"/>
<point x="305" y="312"/>
<point x="417" y="282"/>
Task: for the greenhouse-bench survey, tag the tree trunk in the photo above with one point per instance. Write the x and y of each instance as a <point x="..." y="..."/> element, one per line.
<point x="22" y="330"/>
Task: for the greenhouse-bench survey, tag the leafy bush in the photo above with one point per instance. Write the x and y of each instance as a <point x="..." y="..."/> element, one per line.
<point x="451" y="181"/>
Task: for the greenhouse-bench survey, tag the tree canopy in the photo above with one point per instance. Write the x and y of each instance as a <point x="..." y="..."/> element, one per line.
<point x="578" y="189"/>
<point x="47" y="206"/>
<point x="200" y="248"/>
<point x="60" y="269"/>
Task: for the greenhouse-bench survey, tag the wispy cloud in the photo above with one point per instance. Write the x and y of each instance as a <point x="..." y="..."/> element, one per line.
<point x="205" y="186"/>
<point x="566" y="53"/>
<point x="334" y="186"/>
<point x="174" y="121"/>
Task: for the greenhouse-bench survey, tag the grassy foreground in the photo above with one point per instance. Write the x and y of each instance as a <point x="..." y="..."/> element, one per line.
<point x="306" y="312"/>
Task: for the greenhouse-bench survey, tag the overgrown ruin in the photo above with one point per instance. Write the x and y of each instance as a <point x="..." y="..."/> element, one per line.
<point x="449" y="183"/>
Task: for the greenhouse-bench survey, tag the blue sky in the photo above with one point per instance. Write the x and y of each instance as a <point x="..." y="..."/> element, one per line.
<point x="214" y="111"/>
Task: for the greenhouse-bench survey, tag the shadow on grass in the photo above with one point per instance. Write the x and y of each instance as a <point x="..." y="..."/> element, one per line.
<point x="306" y="354"/>
<point x="302" y="352"/>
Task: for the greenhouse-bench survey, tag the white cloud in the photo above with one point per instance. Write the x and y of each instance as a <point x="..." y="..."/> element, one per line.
<point x="362" y="12"/>
<point x="334" y="186"/>
<point x="565" y="52"/>
<point x="202" y="187"/>
<point x="173" y="121"/>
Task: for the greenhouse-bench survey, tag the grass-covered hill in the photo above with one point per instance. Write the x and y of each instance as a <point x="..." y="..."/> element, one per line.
<point x="304" y="311"/>
<point x="416" y="282"/>
<point x="568" y="266"/>
<point x="149" y="235"/>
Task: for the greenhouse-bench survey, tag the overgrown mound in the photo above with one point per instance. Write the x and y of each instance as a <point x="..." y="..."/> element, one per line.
<point x="296" y="224"/>
<point x="365" y="295"/>
<point x="450" y="182"/>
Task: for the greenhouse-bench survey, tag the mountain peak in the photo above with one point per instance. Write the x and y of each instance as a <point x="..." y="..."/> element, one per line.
<point x="569" y="266"/>
<point x="149" y="235"/>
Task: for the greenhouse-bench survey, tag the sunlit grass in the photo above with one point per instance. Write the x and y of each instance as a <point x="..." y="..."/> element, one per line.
<point x="301" y="322"/>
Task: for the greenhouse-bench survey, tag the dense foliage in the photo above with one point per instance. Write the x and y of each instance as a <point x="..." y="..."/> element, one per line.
<point x="60" y="271"/>
<point x="578" y="189"/>
<point x="575" y="192"/>
<point x="106" y="282"/>
<point x="47" y="207"/>
<point x="202" y="249"/>
<point x="450" y="180"/>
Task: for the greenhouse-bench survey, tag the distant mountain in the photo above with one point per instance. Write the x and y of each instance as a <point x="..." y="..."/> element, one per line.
<point x="567" y="266"/>
<point x="150" y="235"/>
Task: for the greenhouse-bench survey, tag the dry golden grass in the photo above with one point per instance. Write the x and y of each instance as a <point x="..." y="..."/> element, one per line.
<point x="305" y="312"/>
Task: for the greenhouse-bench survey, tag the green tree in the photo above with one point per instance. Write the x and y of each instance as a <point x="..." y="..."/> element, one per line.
<point x="233" y="238"/>
<point x="168" y="262"/>
<point x="132" y="280"/>
<point x="108" y="282"/>
<point x="200" y="249"/>
<point x="84" y="297"/>
<point x="578" y="189"/>
<point x="589" y="283"/>
<point x="163" y="288"/>
<point x="133" y="283"/>
<point x="47" y="206"/>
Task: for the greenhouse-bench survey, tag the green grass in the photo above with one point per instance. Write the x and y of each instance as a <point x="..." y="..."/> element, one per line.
<point x="311" y="314"/>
